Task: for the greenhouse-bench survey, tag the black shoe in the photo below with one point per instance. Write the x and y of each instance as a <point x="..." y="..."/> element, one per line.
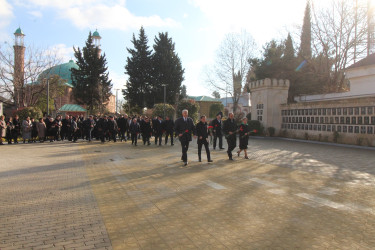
<point x="222" y="148"/>
<point x="230" y="158"/>
<point x="200" y="160"/>
<point x="246" y="157"/>
<point x="172" y="144"/>
<point x="214" y="148"/>
<point x="185" y="163"/>
<point x="210" y="160"/>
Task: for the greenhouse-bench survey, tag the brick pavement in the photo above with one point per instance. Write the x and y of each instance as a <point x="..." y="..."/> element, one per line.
<point x="288" y="195"/>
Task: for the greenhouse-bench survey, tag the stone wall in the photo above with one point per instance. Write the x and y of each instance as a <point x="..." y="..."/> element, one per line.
<point x="350" y="121"/>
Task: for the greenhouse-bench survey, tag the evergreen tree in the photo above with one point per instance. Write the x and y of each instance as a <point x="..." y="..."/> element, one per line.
<point x="183" y="94"/>
<point x="167" y="69"/>
<point x="91" y="84"/>
<point x="139" y="68"/>
<point x="305" y="47"/>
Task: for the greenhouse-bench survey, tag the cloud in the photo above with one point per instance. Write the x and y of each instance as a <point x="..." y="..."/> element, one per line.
<point x="6" y="14"/>
<point x="110" y="14"/>
<point x="63" y="52"/>
<point x="36" y="13"/>
<point x="263" y="19"/>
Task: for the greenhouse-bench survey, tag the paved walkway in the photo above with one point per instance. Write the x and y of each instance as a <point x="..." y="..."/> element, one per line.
<point x="93" y="196"/>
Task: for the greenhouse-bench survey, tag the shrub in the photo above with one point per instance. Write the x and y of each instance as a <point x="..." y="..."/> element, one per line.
<point x="256" y="125"/>
<point x="191" y="106"/>
<point x="159" y="110"/>
<point x="271" y="131"/>
<point x="216" y="108"/>
<point x="32" y="112"/>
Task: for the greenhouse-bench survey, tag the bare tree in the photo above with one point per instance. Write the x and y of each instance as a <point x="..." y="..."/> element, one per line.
<point x="228" y="74"/>
<point x="339" y="34"/>
<point x="37" y="61"/>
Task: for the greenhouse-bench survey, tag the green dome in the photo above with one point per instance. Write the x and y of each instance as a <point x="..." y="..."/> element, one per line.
<point x="62" y="70"/>
<point x="96" y="33"/>
<point x="19" y="32"/>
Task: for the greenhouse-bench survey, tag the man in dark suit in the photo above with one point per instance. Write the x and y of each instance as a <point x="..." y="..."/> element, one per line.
<point x="217" y="124"/>
<point x="158" y="130"/>
<point x="168" y="126"/>
<point x="184" y="127"/>
<point x="230" y="130"/>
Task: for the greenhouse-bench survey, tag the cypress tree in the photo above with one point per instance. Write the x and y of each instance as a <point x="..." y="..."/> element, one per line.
<point x="139" y="67"/>
<point x="167" y="69"/>
<point x="91" y="84"/>
<point x="305" y="47"/>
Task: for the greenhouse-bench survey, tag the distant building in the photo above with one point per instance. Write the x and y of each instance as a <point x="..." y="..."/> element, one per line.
<point x="62" y="70"/>
<point x="205" y="103"/>
<point x="244" y="104"/>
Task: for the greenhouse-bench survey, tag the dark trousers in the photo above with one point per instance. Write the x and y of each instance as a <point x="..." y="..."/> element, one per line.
<point x="134" y="138"/>
<point x="88" y="136"/>
<point x="231" y="140"/>
<point x="220" y="141"/>
<point x="158" y="137"/>
<point x="146" y="138"/>
<point x="185" y="148"/>
<point x="112" y="135"/>
<point x="205" y="143"/>
<point x="166" y="137"/>
<point x="122" y="134"/>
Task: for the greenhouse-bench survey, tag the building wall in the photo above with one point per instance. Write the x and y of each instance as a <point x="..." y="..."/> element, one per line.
<point x="266" y="97"/>
<point x="351" y="121"/>
<point x="204" y="108"/>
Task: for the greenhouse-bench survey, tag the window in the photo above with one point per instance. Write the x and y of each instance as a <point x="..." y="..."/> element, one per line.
<point x="328" y="111"/>
<point x="363" y="129"/>
<point x="356" y="129"/>
<point x="324" y="111"/>
<point x="329" y="128"/>
<point x="356" y="111"/>
<point x="333" y="127"/>
<point x="351" y="111"/>
<point x="369" y="130"/>
<point x="354" y="120"/>
<point x="319" y="127"/>
<point x="348" y="120"/>
<point x="367" y="120"/>
<point x="315" y="111"/>
<point x="319" y="111"/>
<point x="337" y="120"/>
<point x="344" y="111"/>
<point x="339" y="128"/>
<point x="359" y="120"/>
<point x="363" y="110"/>
<point x="308" y="120"/>
<point x="321" y="119"/>
<point x="369" y="110"/>
<point x="339" y="111"/>
<point x="344" y="129"/>
<point x="310" y="112"/>
<point x="333" y="111"/>
<point x="312" y="119"/>
<point x="324" y="127"/>
<point x="331" y="120"/>
<point x="373" y="120"/>
<point x="350" y="129"/>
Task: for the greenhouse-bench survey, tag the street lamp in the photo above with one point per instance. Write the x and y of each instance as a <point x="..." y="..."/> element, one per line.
<point x="117" y="100"/>
<point x="165" y="92"/>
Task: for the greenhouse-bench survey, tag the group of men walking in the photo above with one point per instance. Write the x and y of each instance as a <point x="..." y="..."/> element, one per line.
<point x="107" y="128"/>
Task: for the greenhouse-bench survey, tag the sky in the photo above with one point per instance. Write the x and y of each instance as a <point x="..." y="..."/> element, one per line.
<point x="197" y="28"/>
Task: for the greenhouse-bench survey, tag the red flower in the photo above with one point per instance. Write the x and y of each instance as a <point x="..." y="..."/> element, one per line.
<point x="210" y="127"/>
<point x="255" y="131"/>
<point x="241" y="129"/>
<point x="216" y="125"/>
<point x="186" y="131"/>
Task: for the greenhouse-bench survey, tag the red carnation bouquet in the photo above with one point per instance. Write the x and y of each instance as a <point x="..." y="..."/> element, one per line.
<point x="209" y="127"/>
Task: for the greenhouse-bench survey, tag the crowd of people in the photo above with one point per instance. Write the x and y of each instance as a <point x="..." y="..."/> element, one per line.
<point x="124" y="128"/>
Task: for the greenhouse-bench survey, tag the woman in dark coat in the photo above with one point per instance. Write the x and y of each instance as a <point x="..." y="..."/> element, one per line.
<point x="244" y="132"/>
<point x="146" y="131"/>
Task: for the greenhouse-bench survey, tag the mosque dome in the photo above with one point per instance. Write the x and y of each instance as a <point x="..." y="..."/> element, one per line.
<point x="96" y="33"/>
<point x="62" y="70"/>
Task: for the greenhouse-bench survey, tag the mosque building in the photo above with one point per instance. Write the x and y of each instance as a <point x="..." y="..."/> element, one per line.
<point x="65" y="103"/>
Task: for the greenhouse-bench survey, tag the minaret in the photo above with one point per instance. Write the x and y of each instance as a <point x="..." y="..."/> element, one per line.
<point x="19" y="66"/>
<point x="96" y="38"/>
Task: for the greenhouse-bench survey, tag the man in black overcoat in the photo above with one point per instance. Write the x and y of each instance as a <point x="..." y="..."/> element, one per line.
<point x="230" y="130"/>
<point x="217" y="127"/>
<point x="184" y="127"/>
<point x="168" y="126"/>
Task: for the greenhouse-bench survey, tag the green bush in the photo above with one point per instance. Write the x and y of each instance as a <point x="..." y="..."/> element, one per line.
<point x="191" y="106"/>
<point x="216" y="108"/>
<point x="32" y="112"/>
<point x="271" y="131"/>
<point x="159" y="110"/>
<point x="256" y="125"/>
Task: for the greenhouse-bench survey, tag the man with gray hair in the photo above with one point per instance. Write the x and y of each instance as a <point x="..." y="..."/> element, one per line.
<point x="184" y="127"/>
